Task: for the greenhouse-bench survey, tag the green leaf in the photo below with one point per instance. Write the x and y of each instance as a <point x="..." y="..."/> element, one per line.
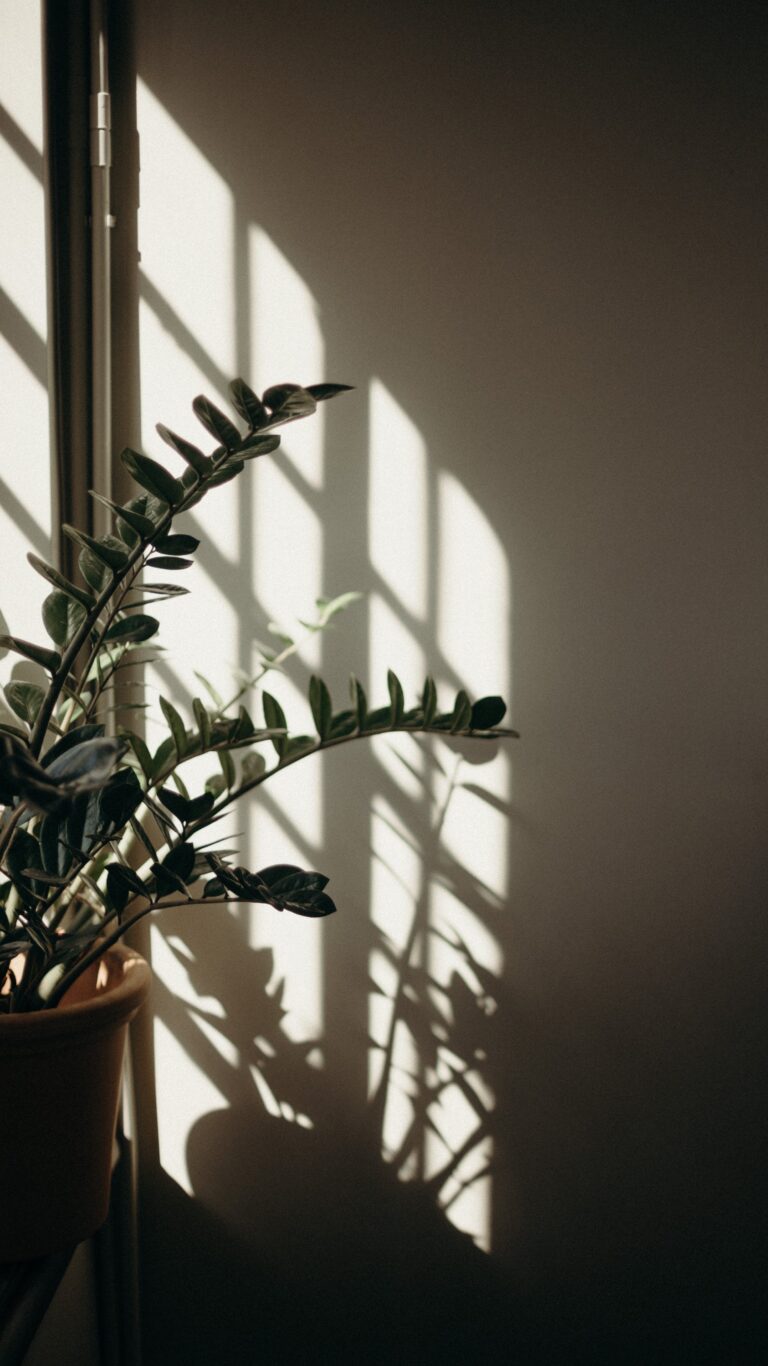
<point x="123" y="884"/>
<point x="200" y="463"/>
<point x="487" y="712"/>
<point x="462" y="712"/>
<point x="25" y="699"/>
<point x="24" y="853"/>
<point x="96" y="574"/>
<point x="62" y="617"/>
<point x="288" y="402"/>
<point x="179" y="784"/>
<point x="162" y="590"/>
<point x="141" y="750"/>
<point x="153" y="477"/>
<point x="55" y="851"/>
<point x="248" y="404"/>
<point x="200" y="807"/>
<point x="299" y="744"/>
<point x="87" y="765"/>
<point x="176" y="726"/>
<point x="168" y="562"/>
<point x="259" y="445"/>
<point x="130" y="630"/>
<point x="320" y="702"/>
<point x="47" y="659"/>
<point x="177" y="545"/>
<point x="253" y="766"/>
<point x="378" y="719"/>
<point x="359" y="702"/>
<point x="171" y="875"/>
<point x="329" y="607"/>
<point x="203" y="720"/>
<point x="396" y="697"/>
<point x="216" y="422"/>
<point x="119" y="800"/>
<point x="108" y="549"/>
<point x="139" y="526"/>
<point x="228" y="768"/>
<point x="275" y="719"/>
<point x="227" y="472"/>
<point x="53" y="576"/>
<point x="216" y="697"/>
<point x="142" y="836"/>
<point x="343" y="724"/>
<point x="92" y="731"/>
<point x="174" y="801"/>
<point x="180" y="860"/>
<point x="15" y="731"/>
<point x="282" y="885"/>
<point x="324" y="391"/>
<point x="429" y="702"/>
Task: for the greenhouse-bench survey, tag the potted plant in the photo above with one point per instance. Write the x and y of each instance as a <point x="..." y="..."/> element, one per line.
<point x="97" y="831"/>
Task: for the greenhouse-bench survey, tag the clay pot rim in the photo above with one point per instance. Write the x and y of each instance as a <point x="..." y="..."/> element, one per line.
<point x="115" y="1002"/>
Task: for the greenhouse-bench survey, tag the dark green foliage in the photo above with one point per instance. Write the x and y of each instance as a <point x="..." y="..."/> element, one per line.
<point x="123" y="884"/>
<point x="488" y="712"/>
<point x="248" y="405"/>
<point x="98" y="830"/>
<point x="275" y="719"/>
<point x="168" y="562"/>
<point x="194" y="457"/>
<point x="216" y="422"/>
<point x="110" y="551"/>
<point x="63" y="617"/>
<point x="320" y="702"/>
<point x="282" y="885"/>
<point x="25" y="699"/>
<point x="47" y="659"/>
<point x="131" y="630"/>
<point x="58" y="580"/>
<point x="153" y="477"/>
<point x="176" y="545"/>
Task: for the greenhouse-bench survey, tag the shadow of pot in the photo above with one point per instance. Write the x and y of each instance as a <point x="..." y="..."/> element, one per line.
<point x="60" y="1073"/>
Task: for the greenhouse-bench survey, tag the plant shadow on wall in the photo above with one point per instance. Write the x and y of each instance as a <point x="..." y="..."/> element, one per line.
<point x="313" y="1191"/>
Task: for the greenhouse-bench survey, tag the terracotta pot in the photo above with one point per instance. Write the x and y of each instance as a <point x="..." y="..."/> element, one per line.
<point x="60" y="1073"/>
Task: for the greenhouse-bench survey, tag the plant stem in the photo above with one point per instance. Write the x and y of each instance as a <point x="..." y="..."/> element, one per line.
<point x="103" y="945"/>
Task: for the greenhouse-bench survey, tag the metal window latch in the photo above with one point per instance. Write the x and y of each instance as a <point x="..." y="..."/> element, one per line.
<point x="101" y="129"/>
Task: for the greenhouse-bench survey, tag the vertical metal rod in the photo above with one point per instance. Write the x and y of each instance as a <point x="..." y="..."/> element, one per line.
<point x="101" y="259"/>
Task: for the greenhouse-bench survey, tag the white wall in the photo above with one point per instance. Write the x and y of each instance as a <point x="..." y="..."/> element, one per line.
<point x="534" y="240"/>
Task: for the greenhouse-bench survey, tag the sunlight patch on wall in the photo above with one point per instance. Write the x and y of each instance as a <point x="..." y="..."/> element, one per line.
<point x="21" y="75"/>
<point x="25" y="468"/>
<point x="286" y="344"/>
<point x="396" y="888"/>
<point x="397" y="500"/>
<point x="437" y="962"/>
<point x="184" y="1091"/>
<point x="185" y="233"/>
<point x="187" y="346"/>
<point x="473" y="591"/>
<point x="22" y="269"/>
<point x="391" y="640"/>
<point x="25" y="523"/>
<point x="473" y="611"/>
<point x="296" y="942"/>
<point x="287" y="552"/>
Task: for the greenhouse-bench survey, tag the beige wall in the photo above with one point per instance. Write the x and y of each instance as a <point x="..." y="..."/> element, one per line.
<point x="540" y="232"/>
<point x="25" y="524"/>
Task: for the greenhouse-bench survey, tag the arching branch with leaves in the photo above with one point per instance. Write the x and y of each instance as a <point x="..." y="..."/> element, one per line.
<point x="97" y="829"/>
